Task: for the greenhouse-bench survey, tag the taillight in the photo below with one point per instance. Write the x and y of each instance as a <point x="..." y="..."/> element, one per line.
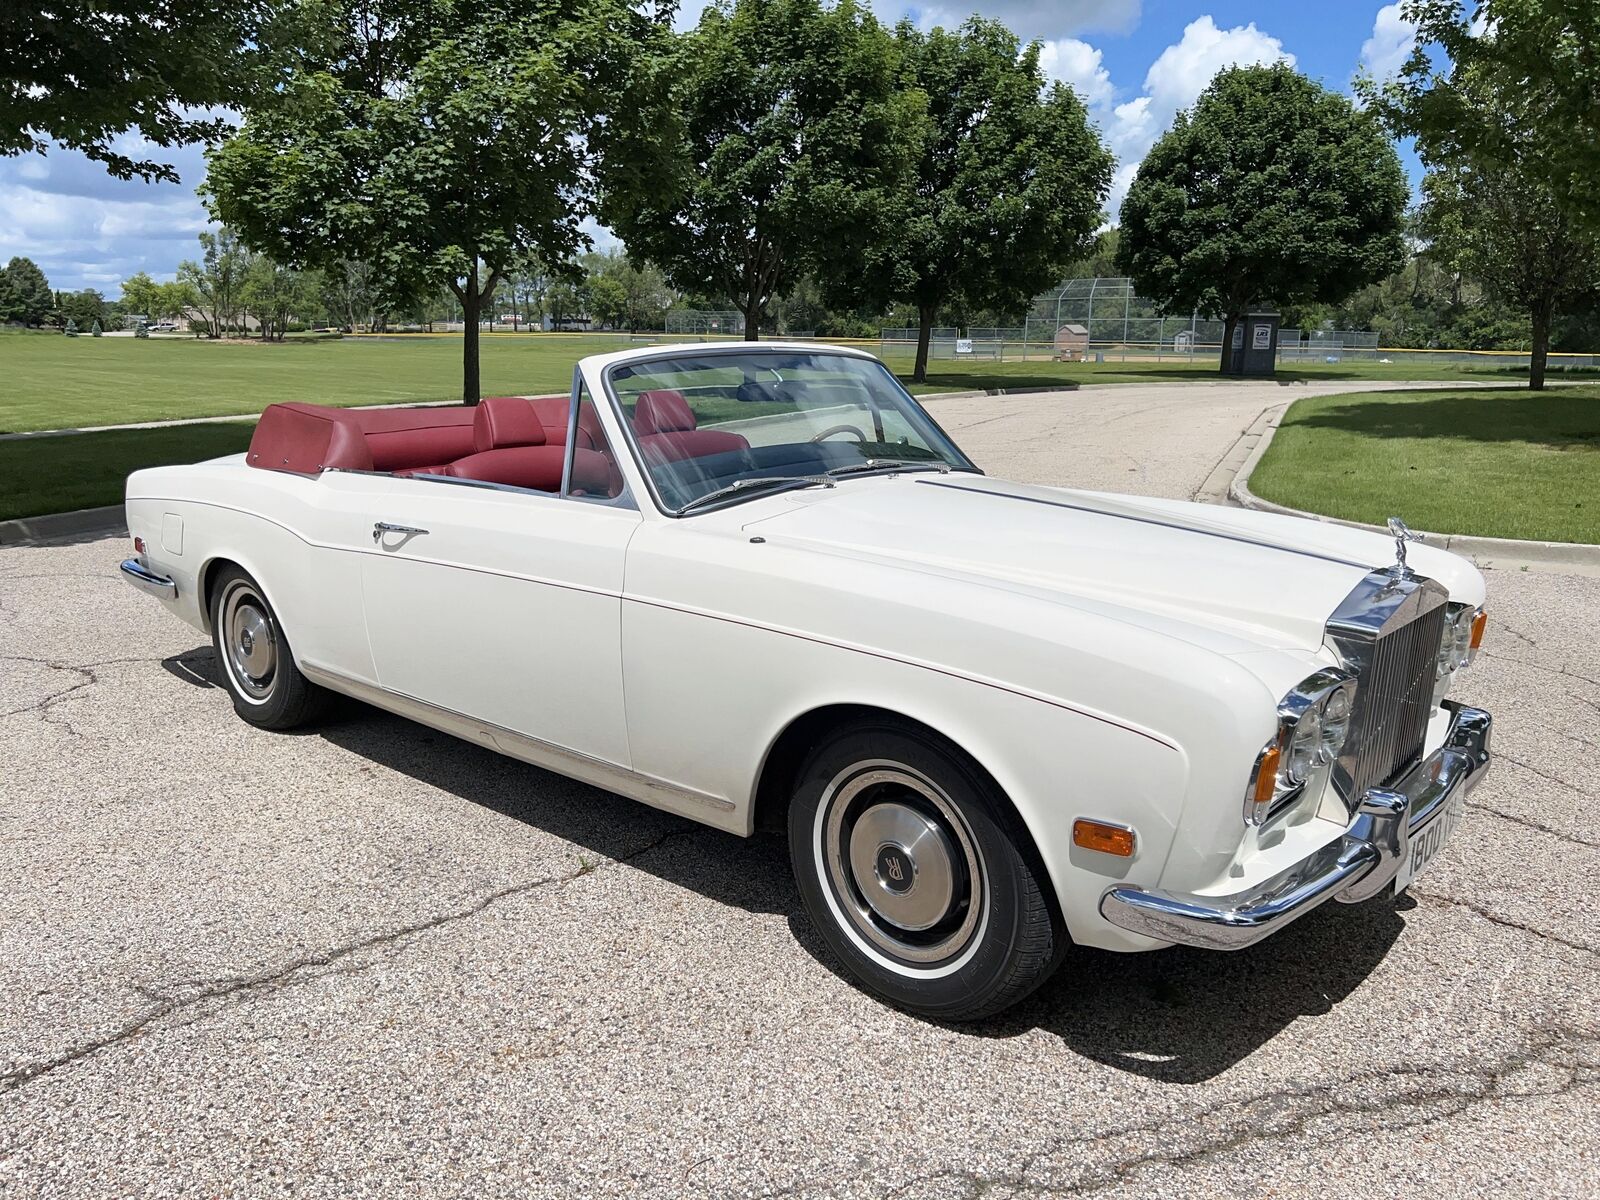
<point x="138" y="545"/>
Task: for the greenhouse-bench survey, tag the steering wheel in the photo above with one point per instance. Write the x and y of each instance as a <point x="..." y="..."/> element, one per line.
<point x="850" y="429"/>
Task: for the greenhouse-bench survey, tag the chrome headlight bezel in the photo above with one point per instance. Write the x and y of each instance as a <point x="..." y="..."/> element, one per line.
<point x="1455" y="645"/>
<point x="1313" y="724"/>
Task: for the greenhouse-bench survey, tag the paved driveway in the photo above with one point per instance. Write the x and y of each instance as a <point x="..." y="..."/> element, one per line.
<point x="374" y="961"/>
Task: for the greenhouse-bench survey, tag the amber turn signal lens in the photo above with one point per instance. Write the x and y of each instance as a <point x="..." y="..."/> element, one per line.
<point x="1108" y="839"/>
<point x="1267" y="775"/>
<point x="1479" y="624"/>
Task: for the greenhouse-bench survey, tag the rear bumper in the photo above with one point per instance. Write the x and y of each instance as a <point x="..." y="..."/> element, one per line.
<point x="148" y="581"/>
<point x="1352" y="868"/>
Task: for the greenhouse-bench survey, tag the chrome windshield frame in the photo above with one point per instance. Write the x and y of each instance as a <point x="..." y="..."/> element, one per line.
<point x="681" y="350"/>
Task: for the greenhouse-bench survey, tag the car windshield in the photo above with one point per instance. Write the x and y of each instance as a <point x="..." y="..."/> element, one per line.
<point x="715" y="427"/>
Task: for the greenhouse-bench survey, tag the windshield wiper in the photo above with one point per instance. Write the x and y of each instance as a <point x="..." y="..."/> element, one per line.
<point x="896" y="464"/>
<point x="742" y="485"/>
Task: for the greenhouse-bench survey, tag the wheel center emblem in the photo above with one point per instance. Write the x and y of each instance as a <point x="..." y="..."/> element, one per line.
<point x="894" y="869"/>
<point x="247" y="641"/>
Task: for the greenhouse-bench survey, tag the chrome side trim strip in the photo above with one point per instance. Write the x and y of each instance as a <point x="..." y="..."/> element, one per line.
<point x="147" y="581"/>
<point x="1351" y="868"/>
<point x="574" y="764"/>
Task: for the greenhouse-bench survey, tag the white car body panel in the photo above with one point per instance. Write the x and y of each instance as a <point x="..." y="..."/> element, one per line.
<point x="1102" y="656"/>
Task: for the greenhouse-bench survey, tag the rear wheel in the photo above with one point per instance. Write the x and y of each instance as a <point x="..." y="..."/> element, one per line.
<point x="914" y="871"/>
<point x="258" y="666"/>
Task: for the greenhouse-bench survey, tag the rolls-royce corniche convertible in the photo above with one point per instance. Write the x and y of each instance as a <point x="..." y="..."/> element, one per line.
<point x="758" y="586"/>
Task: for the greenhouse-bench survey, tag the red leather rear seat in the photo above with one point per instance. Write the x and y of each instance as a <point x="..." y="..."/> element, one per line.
<point x="308" y="438"/>
<point x="665" y="426"/>
<point x="512" y="449"/>
<point x="505" y="439"/>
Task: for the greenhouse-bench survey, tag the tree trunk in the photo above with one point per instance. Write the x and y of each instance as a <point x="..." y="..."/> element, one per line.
<point x="919" y="373"/>
<point x="1541" y="346"/>
<point x="1229" y="324"/>
<point x="469" y="340"/>
<point x="752" y="321"/>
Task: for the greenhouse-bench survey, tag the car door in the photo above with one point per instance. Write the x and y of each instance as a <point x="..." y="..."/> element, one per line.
<point x="500" y="605"/>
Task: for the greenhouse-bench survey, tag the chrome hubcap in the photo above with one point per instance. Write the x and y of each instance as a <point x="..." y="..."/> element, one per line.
<point x="901" y="863"/>
<point x="249" y="641"/>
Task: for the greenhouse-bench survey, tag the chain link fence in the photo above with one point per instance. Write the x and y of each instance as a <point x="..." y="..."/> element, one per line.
<point x="1103" y="319"/>
<point x="704" y="322"/>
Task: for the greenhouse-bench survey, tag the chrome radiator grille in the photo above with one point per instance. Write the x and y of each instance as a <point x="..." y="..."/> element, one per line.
<point x="1393" y="701"/>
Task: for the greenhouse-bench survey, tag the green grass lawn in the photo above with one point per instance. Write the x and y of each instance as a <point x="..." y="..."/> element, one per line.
<point x="1495" y="463"/>
<point x="52" y="382"/>
<point x="86" y="470"/>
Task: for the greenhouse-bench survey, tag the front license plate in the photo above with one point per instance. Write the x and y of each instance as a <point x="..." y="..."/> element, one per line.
<point x="1426" y="842"/>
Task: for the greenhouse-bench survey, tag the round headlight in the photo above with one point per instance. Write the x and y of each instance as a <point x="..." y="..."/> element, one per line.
<point x="1335" y="723"/>
<point x="1462" y="648"/>
<point x="1305" y="747"/>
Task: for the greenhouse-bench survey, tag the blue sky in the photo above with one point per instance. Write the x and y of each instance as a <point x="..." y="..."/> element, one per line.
<point x="1136" y="62"/>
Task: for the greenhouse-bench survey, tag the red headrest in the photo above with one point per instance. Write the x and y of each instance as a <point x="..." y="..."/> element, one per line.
<point x="503" y="421"/>
<point x="662" y="411"/>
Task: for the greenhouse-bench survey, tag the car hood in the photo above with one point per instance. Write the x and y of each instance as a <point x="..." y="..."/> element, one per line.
<point x="1233" y="580"/>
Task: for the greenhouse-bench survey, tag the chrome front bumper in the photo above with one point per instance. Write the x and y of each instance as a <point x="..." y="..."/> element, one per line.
<point x="147" y="581"/>
<point x="1353" y="868"/>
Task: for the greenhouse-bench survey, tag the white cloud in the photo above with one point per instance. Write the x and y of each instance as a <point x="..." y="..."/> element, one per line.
<point x="1077" y="64"/>
<point x="1392" y="41"/>
<point x="1176" y="78"/>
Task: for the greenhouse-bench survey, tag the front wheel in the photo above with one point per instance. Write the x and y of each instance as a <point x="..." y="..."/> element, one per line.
<point x="916" y="874"/>
<point x="258" y="667"/>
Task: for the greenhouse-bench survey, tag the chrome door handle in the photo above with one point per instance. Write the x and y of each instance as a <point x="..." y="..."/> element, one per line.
<point x="383" y="527"/>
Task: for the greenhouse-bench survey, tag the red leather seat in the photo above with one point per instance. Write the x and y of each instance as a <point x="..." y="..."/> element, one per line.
<point x="665" y="426"/>
<point x="309" y="438"/>
<point x="512" y="449"/>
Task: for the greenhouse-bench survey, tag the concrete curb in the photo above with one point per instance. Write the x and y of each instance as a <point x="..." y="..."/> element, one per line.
<point x="981" y="393"/>
<point x="1501" y="554"/>
<point x="51" y="527"/>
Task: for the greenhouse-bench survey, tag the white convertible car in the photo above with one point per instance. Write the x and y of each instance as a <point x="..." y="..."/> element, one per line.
<point x="758" y="586"/>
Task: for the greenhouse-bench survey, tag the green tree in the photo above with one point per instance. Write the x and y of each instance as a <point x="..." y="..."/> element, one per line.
<point x="349" y="293"/>
<point x="84" y="308"/>
<point x="81" y="72"/>
<point x="625" y="293"/>
<point x="608" y="300"/>
<point x="1008" y="182"/>
<point x="217" y="281"/>
<point x="173" y="299"/>
<point x="140" y="294"/>
<point x="25" y="294"/>
<point x="1542" y="58"/>
<point x="1511" y="234"/>
<point x="275" y="293"/>
<point x="440" y="140"/>
<point x="565" y="298"/>
<point x="526" y="282"/>
<point x="1270" y="189"/>
<point x="790" y="136"/>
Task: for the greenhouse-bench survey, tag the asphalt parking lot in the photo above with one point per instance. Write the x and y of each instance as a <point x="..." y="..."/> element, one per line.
<point x="374" y="961"/>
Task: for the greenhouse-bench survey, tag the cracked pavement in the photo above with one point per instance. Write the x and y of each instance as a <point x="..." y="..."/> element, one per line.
<point x="370" y="960"/>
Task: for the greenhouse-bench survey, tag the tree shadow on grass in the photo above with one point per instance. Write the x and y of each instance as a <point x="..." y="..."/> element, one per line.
<point x="1177" y="1016"/>
<point x="1553" y="419"/>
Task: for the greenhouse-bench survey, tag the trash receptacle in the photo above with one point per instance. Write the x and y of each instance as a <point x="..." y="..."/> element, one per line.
<point x="1255" y="345"/>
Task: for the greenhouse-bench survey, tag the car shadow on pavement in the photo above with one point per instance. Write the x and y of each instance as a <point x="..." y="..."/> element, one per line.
<point x="1183" y="1015"/>
<point x="1176" y="1016"/>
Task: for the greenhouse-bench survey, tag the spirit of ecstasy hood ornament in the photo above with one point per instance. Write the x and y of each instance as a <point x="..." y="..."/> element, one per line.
<point x="1402" y="534"/>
